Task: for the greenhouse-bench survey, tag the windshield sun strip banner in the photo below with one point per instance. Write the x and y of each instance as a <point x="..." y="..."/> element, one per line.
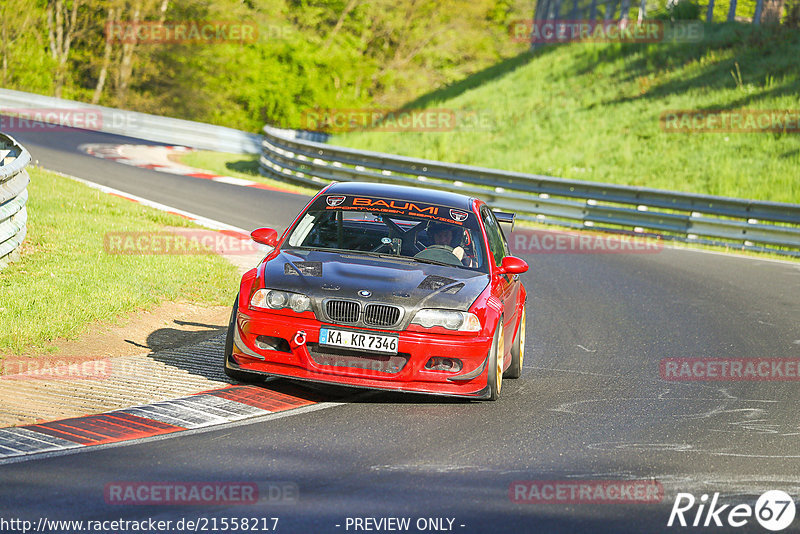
<point x="392" y="206"/>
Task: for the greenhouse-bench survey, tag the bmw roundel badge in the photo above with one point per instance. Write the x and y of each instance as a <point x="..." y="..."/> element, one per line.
<point x="364" y="293"/>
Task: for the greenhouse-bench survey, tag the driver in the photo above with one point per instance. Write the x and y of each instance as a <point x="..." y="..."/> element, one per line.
<point x="442" y="235"/>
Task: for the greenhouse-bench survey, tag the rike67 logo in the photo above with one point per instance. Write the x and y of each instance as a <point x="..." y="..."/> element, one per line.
<point x="774" y="510"/>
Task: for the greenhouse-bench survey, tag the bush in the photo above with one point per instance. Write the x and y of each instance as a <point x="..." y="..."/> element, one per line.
<point x="679" y="10"/>
<point x="792" y="19"/>
<point x="685" y="10"/>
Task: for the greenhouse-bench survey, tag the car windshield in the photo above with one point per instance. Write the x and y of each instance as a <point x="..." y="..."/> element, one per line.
<point x="375" y="231"/>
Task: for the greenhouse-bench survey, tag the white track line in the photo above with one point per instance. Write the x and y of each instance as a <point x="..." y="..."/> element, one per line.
<point x="199" y="219"/>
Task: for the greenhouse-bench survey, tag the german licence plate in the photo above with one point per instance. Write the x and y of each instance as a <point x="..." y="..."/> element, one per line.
<point x="358" y="340"/>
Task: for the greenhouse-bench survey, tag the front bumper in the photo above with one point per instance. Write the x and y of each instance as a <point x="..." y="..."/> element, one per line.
<point x="304" y="359"/>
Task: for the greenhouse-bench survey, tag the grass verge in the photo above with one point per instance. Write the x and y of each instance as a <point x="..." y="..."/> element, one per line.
<point x="65" y="281"/>
<point x="243" y="166"/>
<point x="592" y="112"/>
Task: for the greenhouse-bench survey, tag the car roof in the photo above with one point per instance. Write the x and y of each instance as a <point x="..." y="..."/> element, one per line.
<point x="402" y="192"/>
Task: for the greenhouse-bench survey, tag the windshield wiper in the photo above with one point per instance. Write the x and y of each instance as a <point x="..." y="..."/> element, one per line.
<point x="355" y="252"/>
<point x="319" y="249"/>
<point x="405" y="258"/>
<point x="434" y="262"/>
<point x="380" y="255"/>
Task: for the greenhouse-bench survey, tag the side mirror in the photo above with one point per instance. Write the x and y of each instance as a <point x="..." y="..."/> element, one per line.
<point x="265" y="236"/>
<point x="512" y="265"/>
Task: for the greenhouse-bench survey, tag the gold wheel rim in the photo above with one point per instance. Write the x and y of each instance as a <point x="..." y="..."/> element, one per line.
<point x="522" y="338"/>
<point x="500" y="356"/>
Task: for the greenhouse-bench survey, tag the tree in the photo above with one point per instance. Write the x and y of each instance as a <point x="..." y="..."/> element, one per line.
<point x="18" y="22"/>
<point x="62" y="28"/>
<point x="121" y="43"/>
<point x="773" y="9"/>
<point x="126" y="56"/>
<point x="351" y="5"/>
<point x="732" y="11"/>
<point x="111" y="21"/>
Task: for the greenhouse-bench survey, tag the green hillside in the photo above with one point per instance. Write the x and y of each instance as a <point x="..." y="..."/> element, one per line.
<point x="591" y="112"/>
<point x="305" y="54"/>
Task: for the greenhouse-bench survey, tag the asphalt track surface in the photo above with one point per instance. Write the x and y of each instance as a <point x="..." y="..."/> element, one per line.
<point x="590" y="404"/>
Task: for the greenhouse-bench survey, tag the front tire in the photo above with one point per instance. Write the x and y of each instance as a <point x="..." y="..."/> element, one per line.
<point x="517" y="350"/>
<point x="235" y="374"/>
<point x="494" y="370"/>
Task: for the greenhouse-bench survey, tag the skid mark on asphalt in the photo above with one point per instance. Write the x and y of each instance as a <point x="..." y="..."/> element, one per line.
<point x="205" y="409"/>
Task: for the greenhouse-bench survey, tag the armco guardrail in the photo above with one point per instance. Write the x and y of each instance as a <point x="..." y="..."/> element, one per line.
<point x="745" y="224"/>
<point x="129" y="123"/>
<point x="14" y="181"/>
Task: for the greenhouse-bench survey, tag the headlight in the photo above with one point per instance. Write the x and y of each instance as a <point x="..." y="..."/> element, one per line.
<point x="273" y="299"/>
<point x="450" y="319"/>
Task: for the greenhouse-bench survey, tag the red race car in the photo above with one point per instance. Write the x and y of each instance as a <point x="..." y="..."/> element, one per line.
<point x="384" y="287"/>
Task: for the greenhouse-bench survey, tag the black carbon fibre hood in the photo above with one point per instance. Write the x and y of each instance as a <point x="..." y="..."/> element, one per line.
<point x="403" y="282"/>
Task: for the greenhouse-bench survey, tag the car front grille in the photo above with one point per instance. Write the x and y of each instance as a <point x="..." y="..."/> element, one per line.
<point x="351" y="312"/>
<point x="343" y="311"/>
<point x="381" y="315"/>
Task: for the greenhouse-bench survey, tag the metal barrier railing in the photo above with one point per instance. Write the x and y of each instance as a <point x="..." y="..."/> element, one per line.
<point x="128" y="123"/>
<point x="743" y="224"/>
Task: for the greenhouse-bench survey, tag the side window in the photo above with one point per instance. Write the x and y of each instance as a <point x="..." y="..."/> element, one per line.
<point x="506" y="250"/>
<point x="497" y="242"/>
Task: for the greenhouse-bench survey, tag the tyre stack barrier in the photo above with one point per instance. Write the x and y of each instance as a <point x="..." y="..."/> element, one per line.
<point x="14" y="180"/>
